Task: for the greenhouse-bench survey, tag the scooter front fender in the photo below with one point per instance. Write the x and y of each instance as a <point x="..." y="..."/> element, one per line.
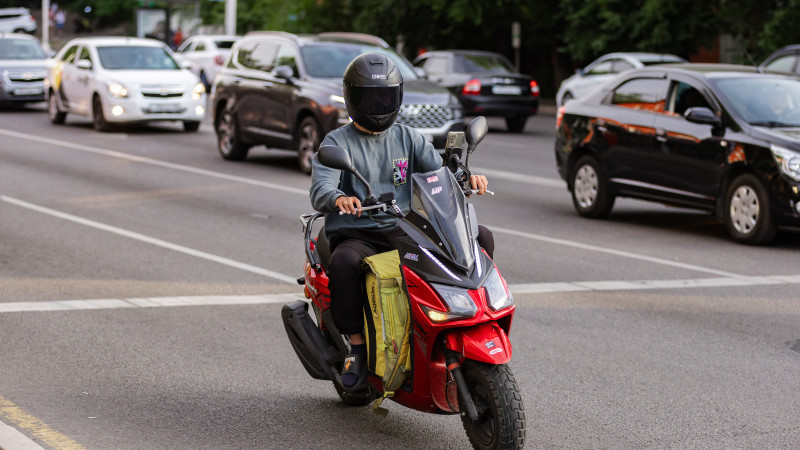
<point x="485" y="342"/>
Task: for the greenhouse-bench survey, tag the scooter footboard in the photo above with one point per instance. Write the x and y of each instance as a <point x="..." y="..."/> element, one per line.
<point x="307" y="340"/>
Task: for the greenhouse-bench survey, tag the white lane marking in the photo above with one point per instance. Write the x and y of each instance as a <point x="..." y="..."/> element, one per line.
<point x="529" y="179"/>
<point x="150" y="302"/>
<point x="610" y="251"/>
<point x="155" y="162"/>
<point x="542" y="288"/>
<point x="150" y="240"/>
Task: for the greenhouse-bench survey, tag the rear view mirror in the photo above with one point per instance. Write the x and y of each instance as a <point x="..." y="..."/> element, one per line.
<point x="85" y="64"/>
<point x="335" y="157"/>
<point x="476" y="131"/>
<point x="284" y="72"/>
<point x="702" y="115"/>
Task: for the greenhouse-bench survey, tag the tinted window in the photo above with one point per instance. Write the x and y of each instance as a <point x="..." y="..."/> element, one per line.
<point x="782" y="64"/>
<point x="641" y="93"/>
<point x="482" y="63"/>
<point x="436" y="65"/>
<point x="126" y="57"/>
<point x="259" y="56"/>
<point x="69" y="55"/>
<point x="224" y="44"/>
<point x="13" y="48"/>
<point x="329" y="60"/>
<point x="685" y="96"/>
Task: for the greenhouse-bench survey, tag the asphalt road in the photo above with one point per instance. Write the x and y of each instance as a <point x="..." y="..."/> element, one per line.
<point x="141" y="280"/>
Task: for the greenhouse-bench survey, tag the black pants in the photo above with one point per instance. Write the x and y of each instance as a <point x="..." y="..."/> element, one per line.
<point x="346" y="277"/>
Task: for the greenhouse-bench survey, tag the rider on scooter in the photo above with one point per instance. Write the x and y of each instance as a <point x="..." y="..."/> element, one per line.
<point x="385" y="154"/>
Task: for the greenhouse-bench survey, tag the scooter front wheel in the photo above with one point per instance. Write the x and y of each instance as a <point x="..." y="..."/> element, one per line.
<point x="501" y="415"/>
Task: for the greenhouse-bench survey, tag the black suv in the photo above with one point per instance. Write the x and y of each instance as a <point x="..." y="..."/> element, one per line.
<point x="718" y="138"/>
<point x="285" y="91"/>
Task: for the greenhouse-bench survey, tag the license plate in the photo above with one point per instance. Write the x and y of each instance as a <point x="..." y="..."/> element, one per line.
<point x="507" y="90"/>
<point x="164" y="108"/>
<point x="28" y="91"/>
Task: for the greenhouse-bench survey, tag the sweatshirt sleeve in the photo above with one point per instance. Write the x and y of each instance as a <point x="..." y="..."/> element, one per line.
<point x="324" y="183"/>
<point x="427" y="156"/>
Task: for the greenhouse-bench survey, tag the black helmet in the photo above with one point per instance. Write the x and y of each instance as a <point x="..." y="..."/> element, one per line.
<point x="373" y="91"/>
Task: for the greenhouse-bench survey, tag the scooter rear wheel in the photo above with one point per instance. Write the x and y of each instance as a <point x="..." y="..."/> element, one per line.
<point x="501" y="415"/>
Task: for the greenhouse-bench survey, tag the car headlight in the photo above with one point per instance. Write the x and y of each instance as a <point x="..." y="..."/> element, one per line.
<point x="497" y="290"/>
<point x="788" y="161"/>
<point x="117" y="90"/>
<point x="337" y="99"/>
<point x="198" y="91"/>
<point x="459" y="304"/>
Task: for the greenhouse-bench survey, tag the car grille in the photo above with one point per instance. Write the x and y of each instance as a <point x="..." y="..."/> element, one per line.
<point x="425" y="116"/>
<point x="162" y="91"/>
<point x="26" y="76"/>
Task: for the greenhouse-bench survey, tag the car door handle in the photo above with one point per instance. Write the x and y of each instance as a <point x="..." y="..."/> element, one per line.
<point x="602" y="129"/>
<point x="268" y="84"/>
<point x="661" y="135"/>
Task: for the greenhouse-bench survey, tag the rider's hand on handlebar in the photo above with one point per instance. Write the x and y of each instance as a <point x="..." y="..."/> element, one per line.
<point x="479" y="183"/>
<point x="349" y="205"/>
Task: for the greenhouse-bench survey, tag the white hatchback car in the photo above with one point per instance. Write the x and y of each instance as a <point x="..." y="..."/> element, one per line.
<point x="207" y="54"/>
<point x="122" y="80"/>
<point x="604" y="69"/>
<point x="17" y="20"/>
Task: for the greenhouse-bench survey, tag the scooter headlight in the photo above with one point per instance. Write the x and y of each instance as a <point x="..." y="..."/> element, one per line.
<point x="497" y="290"/>
<point x="459" y="304"/>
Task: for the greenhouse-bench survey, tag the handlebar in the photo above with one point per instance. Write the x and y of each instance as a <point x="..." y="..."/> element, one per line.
<point x="383" y="206"/>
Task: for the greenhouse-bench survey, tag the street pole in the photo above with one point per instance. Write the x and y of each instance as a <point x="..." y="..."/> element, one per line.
<point x="46" y="25"/>
<point x="230" y="17"/>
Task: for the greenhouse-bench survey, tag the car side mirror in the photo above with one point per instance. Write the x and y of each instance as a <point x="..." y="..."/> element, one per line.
<point x="85" y="64"/>
<point x="421" y="73"/>
<point x="283" y="72"/>
<point x="702" y="115"/>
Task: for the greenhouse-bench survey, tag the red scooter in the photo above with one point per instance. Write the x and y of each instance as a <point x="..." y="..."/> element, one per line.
<point x="461" y="307"/>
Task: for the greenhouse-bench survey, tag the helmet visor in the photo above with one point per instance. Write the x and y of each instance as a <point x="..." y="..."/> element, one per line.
<point x="377" y="100"/>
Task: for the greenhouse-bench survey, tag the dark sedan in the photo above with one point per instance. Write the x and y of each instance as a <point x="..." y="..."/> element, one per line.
<point x="485" y="83"/>
<point x="720" y="138"/>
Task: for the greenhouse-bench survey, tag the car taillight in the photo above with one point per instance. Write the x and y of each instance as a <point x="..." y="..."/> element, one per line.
<point x="219" y="60"/>
<point x="473" y="87"/>
<point x="534" y="88"/>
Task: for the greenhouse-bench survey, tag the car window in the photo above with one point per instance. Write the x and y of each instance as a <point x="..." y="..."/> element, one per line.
<point x="129" y="57"/>
<point x="601" y="68"/>
<point x="258" y="55"/>
<point x="329" y="60"/>
<point x="287" y="57"/>
<point x="84" y="54"/>
<point x="782" y="64"/>
<point x="620" y="65"/>
<point x="482" y="63"/>
<point x="201" y="46"/>
<point x="645" y="94"/>
<point x="224" y="44"/>
<point x="186" y="47"/>
<point x="436" y="65"/>
<point x="15" y="48"/>
<point x="684" y="96"/>
<point x="69" y="55"/>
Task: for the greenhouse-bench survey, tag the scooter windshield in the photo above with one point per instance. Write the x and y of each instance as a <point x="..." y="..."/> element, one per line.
<point x="439" y="211"/>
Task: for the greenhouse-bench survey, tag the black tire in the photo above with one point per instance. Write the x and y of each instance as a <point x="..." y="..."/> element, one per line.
<point x="54" y="113"/>
<point x="307" y="142"/>
<point x="748" y="212"/>
<point x="516" y="124"/>
<point x="229" y="143"/>
<point x="589" y="187"/>
<point x="191" y="125"/>
<point x="501" y="422"/>
<point x="98" y="118"/>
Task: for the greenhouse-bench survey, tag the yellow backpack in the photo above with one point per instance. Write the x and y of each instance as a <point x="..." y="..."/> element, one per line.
<point x="387" y="324"/>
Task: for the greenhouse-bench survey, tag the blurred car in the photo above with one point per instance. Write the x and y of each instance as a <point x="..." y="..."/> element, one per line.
<point x="17" y="20"/>
<point x="785" y="59"/>
<point x="285" y="91"/>
<point x="122" y="80"/>
<point x="606" y="68"/>
<point x="719" y="138"/>
<point x="485" y="83"/>
<point x="22" y="69"/>
<point x="206" y="54"/>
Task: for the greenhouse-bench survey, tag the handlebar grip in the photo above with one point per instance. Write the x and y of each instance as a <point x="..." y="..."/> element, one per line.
<point x="381" y="206"/>
<point x="475" y="191"/>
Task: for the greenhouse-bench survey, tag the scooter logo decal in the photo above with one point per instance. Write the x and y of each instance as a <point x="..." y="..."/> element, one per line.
<point x="348" y="361"/>
<point x="436" y="190"/>
<point x="400" y="171"/>
<point x="433" y="179"/>
<point x="497" y="350"/>
<point x="411" y="256"/>
<point x="489" y="344"/>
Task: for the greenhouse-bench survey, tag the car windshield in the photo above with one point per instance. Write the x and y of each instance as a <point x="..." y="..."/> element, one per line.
<point x="482" y="63"/>
<point x="764" y="101"/>
<point x="329" y="60"/>
<point x="13" y="48"/>
<point x="129" y="57"/>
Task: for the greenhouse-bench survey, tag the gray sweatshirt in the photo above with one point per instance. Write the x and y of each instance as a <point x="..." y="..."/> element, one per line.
<point x="385" y="160"/>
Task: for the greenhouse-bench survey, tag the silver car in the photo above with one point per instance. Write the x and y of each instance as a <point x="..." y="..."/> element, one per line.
<point x="22" y="69"/>
<point x="604" y="69"/>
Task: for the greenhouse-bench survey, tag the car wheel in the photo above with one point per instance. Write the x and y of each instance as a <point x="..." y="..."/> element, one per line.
<point x="308" y="139"/>
<point x="590" y="191"/>
<point x="567" y="97"/>
<point x="516" y="124"/>
<point x="55" y="114"/>
<point x="191" y="125"/>
<point x="204" y="80"/>
<point x="748" y="215"/>
<point x="229" y="143"/>
<point x="98" y="119"/>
